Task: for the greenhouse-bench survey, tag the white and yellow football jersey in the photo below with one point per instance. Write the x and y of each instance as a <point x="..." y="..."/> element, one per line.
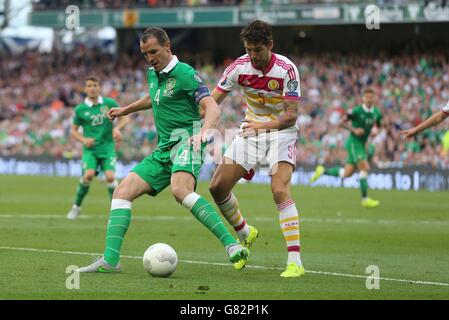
<point x="265" y="90"/>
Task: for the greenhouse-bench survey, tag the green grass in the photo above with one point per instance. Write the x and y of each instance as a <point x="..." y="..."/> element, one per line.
<point x="407" y="238"/>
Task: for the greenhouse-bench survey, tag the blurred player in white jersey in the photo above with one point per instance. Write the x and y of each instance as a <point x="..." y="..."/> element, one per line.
<point x="268" y="134"/>
<point x="435" y="119"/>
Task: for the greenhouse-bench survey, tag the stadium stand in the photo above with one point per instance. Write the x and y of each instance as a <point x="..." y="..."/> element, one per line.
<point x="39" y="90"/>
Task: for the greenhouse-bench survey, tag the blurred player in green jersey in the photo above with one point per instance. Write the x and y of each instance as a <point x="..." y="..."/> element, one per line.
<point x="363" y="118"/>
<point x="175" y="93"/>
<point x="97" y="138"/>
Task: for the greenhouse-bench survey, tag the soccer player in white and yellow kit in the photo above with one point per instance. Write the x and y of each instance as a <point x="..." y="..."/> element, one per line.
<point x="268" y="134"/>
<point x="433" y="120"/>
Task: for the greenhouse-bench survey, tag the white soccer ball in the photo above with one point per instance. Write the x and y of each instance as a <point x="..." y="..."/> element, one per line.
<point x="160" y="260"/>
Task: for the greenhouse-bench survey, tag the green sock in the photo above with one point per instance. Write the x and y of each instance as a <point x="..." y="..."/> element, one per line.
<point x="119" y="220"/>
<point x="208" y="216"/>
<point x="335" y="171"/>
<point x="81" y="192"/>
<point x="364" y="187"/>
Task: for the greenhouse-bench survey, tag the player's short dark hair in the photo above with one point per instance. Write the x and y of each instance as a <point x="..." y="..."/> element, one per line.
<point x="369" y="90"/>
<point x="157" y="33"/>
<point x="256" y="32"/>
<point x="93" y="78"/>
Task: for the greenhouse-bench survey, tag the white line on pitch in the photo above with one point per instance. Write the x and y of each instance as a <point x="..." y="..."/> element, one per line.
<point x="227" y="265"/>
<point x="259" y="219"/>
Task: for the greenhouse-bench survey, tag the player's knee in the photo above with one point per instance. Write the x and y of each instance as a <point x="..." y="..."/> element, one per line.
<point x="280" y="193"/>
<point x="88" y="176"/>
<point x="347" y="173"/>
<point x="110" y="178"/>
<point x="180" y="192"/>
<point x="121" y="192"/>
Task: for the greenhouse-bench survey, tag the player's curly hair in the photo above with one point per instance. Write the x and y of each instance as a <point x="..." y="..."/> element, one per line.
<point x="256" y="32"/>
<point x="157" y="33"/>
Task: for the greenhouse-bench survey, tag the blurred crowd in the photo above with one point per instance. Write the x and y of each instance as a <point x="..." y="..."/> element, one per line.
<point x="38" y="92"/>
<point x="120" y="4"/>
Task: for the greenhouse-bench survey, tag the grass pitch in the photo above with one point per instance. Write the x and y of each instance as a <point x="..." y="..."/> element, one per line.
<point x="407" y="238"/>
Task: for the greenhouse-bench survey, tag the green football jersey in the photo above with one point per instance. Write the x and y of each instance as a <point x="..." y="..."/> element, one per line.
<point x="95" y="123"/>
<point x="363" y="118"/>
<point x="175" y="94"/>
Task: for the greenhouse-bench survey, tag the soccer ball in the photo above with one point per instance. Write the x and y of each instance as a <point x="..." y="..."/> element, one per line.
<point x="160" y="260"/>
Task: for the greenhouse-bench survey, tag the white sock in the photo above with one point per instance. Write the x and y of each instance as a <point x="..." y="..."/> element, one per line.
<point x="289" y="222"/>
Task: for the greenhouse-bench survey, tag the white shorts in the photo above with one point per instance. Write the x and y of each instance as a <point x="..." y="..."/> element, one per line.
<point x="264" y="149"/>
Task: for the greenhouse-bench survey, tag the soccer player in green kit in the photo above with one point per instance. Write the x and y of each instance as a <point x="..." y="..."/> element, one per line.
<point x="97" y="138"/>
<point x="363" y="117"/>
<point x="176" y="94"/>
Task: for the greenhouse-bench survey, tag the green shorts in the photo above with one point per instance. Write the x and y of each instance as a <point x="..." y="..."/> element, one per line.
<point x="356" y="151"/>
<point x="158" y="167"/>
<point x="92" y="161"/>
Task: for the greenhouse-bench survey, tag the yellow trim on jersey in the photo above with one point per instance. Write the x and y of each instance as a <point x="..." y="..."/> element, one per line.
<point x="256" y="116"/>
<point x="268" y="99"/>
<point x="261" y="107"/>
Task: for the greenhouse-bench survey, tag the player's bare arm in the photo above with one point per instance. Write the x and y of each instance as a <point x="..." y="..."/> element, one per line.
<point x="218" y="97"/>
<point x="284" y="121"/>
<point x="116" y="132"/>
<point x="430" y="122"/>
<point x="211" y="118"/>
<point x="143" y="103"/>
<point x="74" y="132"/>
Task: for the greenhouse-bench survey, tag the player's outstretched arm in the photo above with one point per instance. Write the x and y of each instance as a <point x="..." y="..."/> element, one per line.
<point x="116" y="133"/>
<point x="218" y="97"/>
<point x="141" y="104"/>
<point x="435" y="119"/>
<point x="211" y="119"/>
<point x="212" y="113"/>
<point x="88" y="142"/>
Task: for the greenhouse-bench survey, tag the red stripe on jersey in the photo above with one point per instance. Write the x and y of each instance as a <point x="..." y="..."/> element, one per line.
<point x="288" y="67"/>
<point x="255" y="82"/>
<point x="237" y="62"/>
<point x="284" y="64"/>
<point x="444" y="111"/>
